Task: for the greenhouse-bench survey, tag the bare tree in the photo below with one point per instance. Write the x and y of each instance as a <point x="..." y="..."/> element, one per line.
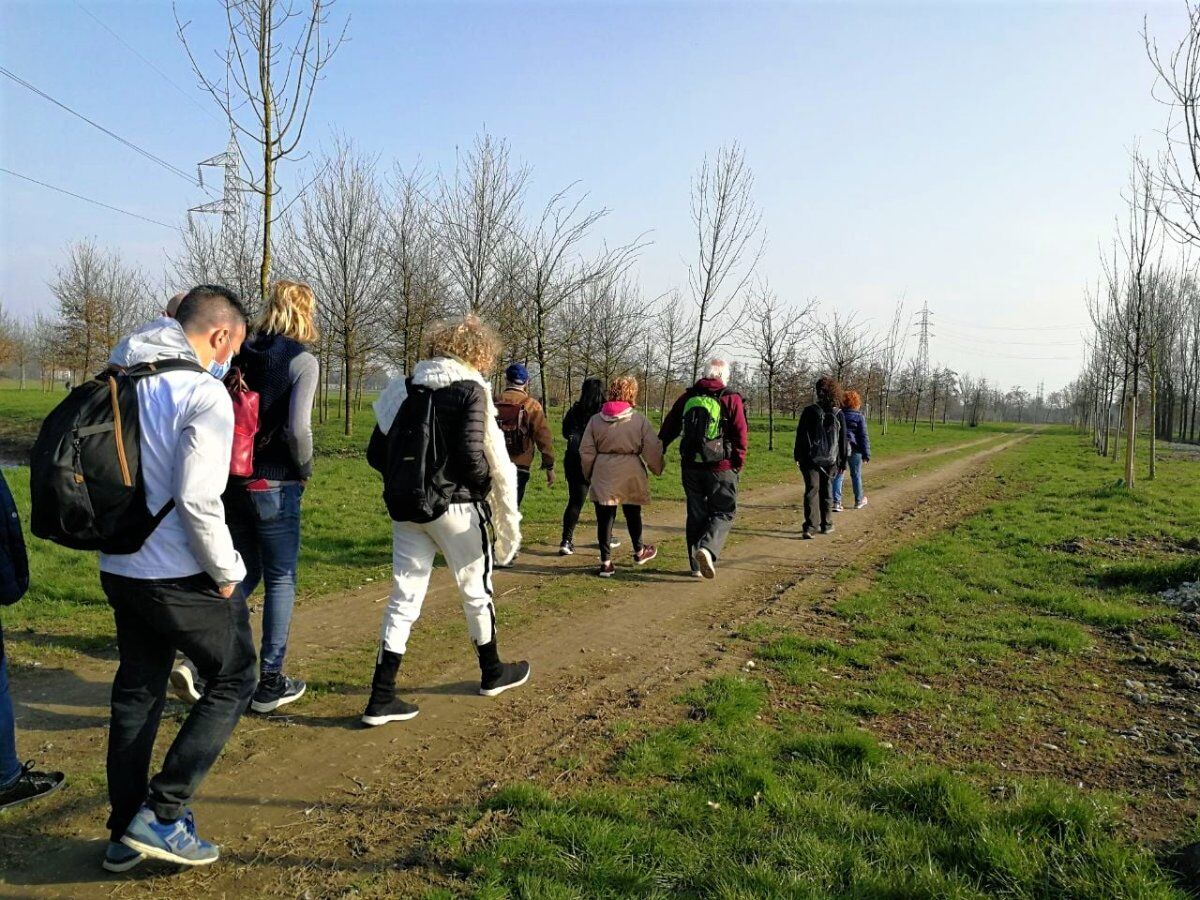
<point x="228" y="252"/>
<point x="843" y="343"/>
<point x="341" y="228"/>
<point x="771" y="331"/>
<point x="416" y="297"/>
<point x="891" y="358"/>
<point x="478" y="212"/>
<point x="673" y="328"/>
<point x="275" y="53"/>
<point x="729" y="244"/>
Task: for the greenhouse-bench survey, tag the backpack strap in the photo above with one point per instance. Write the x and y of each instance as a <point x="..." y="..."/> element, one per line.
<point x="141" y="370"/>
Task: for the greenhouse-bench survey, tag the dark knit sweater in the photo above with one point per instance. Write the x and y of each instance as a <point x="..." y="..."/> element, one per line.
<point x="265" y="362"/>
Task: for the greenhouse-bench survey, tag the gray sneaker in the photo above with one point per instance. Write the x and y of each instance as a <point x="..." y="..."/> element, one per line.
<point x="186" y="682"/>
<point x="175" y="842"/>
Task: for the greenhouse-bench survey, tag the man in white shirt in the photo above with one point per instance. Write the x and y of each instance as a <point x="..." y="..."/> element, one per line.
<point x="179" y="589"/>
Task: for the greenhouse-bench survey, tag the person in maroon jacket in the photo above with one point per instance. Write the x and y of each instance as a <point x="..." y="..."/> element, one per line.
<point x="711" y="462"/>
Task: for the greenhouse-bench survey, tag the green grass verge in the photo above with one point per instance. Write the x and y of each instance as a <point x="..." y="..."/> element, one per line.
<point x="972" y="647"/>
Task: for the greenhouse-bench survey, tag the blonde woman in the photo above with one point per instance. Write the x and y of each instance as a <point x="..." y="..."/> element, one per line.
<point x="263" y="511"/>
<point x="618" y="447"/>
<point x="480" y="483"/>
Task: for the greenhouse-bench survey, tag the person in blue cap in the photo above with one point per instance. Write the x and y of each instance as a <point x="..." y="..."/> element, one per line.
<point x="525" y="427"/>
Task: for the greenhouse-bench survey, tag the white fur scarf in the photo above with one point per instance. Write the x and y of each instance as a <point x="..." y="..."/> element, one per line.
<point x="441" y="372"/>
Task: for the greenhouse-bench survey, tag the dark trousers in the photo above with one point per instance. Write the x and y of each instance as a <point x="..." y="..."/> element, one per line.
<point x="818" y="497"/>
<point x="606" y="517"/>
<point x="522" y="483"/>
<point x="154" y="618"/>
<point x="576" y="495"/>
<point x="711" y="506"/>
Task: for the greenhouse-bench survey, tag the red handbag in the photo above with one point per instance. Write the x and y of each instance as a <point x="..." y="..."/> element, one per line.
<point x="245" y="424"/>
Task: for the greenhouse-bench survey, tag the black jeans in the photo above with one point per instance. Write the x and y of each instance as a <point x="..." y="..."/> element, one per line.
<point x="711" y="506"/>
<point x="522" y="483"/>
<point x="154" y="618"/>
<point x="606" y="517"/>
<point x="818" y="497"/>
<point x="576" y="495"/>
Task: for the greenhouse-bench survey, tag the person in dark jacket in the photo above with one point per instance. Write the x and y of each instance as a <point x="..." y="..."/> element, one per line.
<point x="821" y="451"/>
<point x="591" y="398"/>
<point x="711" y="488"/>
<point x="18" y="783"/>
<point x="263" y="511"/>
<point x="484" y="494"/>
<point x="860" y="451"/>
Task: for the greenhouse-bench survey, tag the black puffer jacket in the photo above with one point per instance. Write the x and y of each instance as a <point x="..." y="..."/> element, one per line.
<point x="461" y="416"/>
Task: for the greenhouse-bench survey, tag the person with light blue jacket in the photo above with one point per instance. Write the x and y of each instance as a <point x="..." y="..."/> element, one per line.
<point x="860" y="451"/>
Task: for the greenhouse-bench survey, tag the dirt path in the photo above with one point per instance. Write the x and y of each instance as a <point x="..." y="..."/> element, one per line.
<point x="283" y="796"/>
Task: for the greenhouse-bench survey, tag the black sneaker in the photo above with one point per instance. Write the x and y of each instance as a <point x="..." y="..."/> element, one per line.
<point x="566" y="548"/>
<point x="806" y="534"/>
<point x="510" y="675"/>
<point x="275" y="690"/>
<point x="395" y="710"/>
<point x="186" y="682"/>
<point x="30" y="785"/>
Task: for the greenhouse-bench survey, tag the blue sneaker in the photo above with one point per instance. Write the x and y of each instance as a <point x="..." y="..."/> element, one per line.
<point x="175" y="842"/>
<point x="119" y="858"/>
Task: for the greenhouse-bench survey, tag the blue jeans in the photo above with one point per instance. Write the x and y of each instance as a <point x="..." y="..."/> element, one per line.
<point x="10" y="766"/>
<point x="855" y="464"/>
<point x="266" y="531"/>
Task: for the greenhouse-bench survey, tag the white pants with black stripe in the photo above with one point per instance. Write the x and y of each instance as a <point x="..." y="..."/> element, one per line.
<point x="461" y="533"/>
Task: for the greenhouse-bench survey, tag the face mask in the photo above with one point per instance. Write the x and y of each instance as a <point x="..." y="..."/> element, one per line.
<point x="218" y="370"/>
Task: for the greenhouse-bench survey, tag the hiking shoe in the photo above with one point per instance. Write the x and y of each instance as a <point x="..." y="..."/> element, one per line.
<point x="566" y="548"/>
<point x="30" y="785"/>
<point x="647" y="553"/>
<point x="607" y="569"/>
<point x="275" y="690"/>
<point x="186" y="682"/>
<point x="175" y="842"/>
<point x="827" y="529"/>
<point x="706" y="564"/>
<point x="119" y="858"/>
<point x="395" y="710"/>
<point x="861" y="503"/>
<point x="510" y="675"/>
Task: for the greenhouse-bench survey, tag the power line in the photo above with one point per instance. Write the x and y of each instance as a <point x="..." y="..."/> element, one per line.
<point x="146" y="153"/>
<point x="134" y="51"/>
<point x="959" y="324"/>
<point x="87" y="199"/>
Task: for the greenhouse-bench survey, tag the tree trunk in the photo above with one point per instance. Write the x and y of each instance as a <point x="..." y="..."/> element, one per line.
<point x="1130" y="439"/>
<point x="264" y="80"/>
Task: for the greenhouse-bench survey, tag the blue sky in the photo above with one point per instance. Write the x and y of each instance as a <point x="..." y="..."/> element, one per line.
<point x="967" y="154"/>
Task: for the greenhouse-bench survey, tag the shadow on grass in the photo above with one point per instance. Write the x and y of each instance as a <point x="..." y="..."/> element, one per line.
<point x="1152" y="576"/>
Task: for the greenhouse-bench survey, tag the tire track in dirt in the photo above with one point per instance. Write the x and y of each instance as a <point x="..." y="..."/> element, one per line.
<point x="624" y="642"/>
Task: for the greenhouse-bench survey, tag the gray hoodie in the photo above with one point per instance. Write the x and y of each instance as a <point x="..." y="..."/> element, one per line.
<point x="186" y="421"/>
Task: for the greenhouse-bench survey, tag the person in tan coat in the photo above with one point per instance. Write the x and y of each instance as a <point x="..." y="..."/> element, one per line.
<point x="619" y="448"/>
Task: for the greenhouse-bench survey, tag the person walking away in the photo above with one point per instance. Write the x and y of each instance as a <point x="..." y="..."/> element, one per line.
<point x="525" y="427"/>
<point x="179" y="589"/>
<point x="447" y="479"/>
<point x="860" y="451"/>
<point x="820" y="453"/>
<point x="18" y="783"/>
<point x="575" y="422"/>
<point x="263" y="510"/>
<point x="619" y="446"/>
<point x="710" y="421"/>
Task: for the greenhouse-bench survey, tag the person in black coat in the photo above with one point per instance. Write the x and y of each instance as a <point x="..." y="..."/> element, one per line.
<point x="591" y="397"/>
<point x="821" y="452"/>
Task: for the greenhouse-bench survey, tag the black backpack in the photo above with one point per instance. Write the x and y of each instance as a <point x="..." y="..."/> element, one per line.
<point x="85" y="473"/>
<point x="415" y="486"/>
<point x="14" y="561"/>
<point x="704" y="435"/>
<point x="823" y="446"/>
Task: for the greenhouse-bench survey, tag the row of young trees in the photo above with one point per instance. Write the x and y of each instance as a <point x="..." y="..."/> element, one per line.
<point x="1143" y="369"/>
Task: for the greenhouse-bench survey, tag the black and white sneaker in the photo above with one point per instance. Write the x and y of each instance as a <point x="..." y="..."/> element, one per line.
<point x="705" y="563"/>
<point x="827" y="529"/>
<point x="395" y="710"/>
<point x="566" y="548"/>
<point x="186" y="682"/>
<point x="510" y="675"/>
<point x="119" y="858"/>
<point x="31" y="784"/>
<point x="275" y="690"/>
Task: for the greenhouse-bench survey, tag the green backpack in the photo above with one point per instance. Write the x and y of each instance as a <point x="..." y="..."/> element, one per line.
<point x="703" y="437"/>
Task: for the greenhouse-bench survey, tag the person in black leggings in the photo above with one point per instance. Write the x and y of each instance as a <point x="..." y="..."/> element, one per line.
<point x="574" y="424"/>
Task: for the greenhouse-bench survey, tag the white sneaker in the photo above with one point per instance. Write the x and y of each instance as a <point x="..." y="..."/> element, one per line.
<point x="837" y="507"/>
<point x="861" y="503"/>
<point x="705" y="563"/>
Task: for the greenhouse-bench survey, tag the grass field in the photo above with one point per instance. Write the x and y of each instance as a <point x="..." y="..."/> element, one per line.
<point x="346" y="535"/>
<point x="950" y="730"/>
